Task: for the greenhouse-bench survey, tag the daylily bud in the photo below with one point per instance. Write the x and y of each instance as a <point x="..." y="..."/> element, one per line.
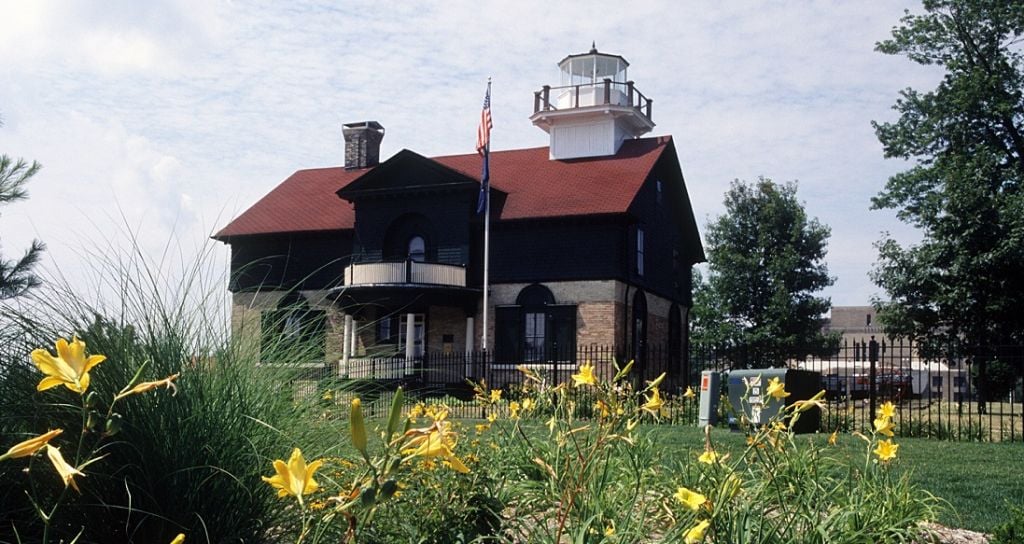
<point x="358" y="427"/>
<point x="387" y="490"/>
<point x="114" y="423"/>
<point x="623" y="371"/>
<point x="396" y="414"/>
<point x="657" y="381"/>
<point x="368" y="496"/>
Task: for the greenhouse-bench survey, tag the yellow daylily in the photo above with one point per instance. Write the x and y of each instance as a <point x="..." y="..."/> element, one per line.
<point x="492" y="417"/>
<point x="180" y="539"/>
<point x="654" y="403"/>
<point x="416" y="411"/>
<point x="435" y="444"/>
<point x="66" y="471"/>
<point x="696" y="533"/>
<point x="167" y="382"/>
<point x="29" y="447"/>
<point x="610" y="529"/>
<point x="528" y="404"/>
<point x="887" y="410"/>
<point x="295" y="477"/>
<point x="777" y="389"/>
<point x="833" y="438"/>
<point x="513" y="409"/>
<point x="886" y="450"/>
<point x="495" y="395"/>
<point x="690" y="499"/>
<point x="69" y="368"/>
<point x="689" y="394"/>
<point x="709" y="457"/>
<point x="884" y="426"/>
<point x="585" y="376"/>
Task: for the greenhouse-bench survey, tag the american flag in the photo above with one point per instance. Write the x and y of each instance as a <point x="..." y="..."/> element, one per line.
<point x="483" y="147"/>
<point x="483" y="132"/>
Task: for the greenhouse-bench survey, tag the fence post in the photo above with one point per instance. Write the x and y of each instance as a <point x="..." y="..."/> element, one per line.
<point x="872" y="375"/>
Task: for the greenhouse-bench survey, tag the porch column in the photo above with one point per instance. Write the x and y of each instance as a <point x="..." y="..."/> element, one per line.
<point x="347" y="330"/>
<point x="353" y="337"/>
<point x="470" y="333"/>
<point x="410" y="341"/>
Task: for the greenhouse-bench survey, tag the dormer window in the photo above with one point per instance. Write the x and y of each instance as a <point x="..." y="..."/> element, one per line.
<point x="417" y="249"/>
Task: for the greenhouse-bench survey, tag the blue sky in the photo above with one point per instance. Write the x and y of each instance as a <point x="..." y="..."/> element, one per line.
<point x="161" y="121"/>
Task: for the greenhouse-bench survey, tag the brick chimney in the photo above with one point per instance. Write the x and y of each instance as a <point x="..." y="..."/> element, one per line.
<point x="362" y="144"/>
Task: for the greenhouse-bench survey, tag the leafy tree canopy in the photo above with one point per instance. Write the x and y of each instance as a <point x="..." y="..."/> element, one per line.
<point x="960" y="286"/>
<point x="765" y="264"/>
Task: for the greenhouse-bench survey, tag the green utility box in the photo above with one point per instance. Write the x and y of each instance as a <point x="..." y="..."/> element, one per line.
<point x="748" y="395"/>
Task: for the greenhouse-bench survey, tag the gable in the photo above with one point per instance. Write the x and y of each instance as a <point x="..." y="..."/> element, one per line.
<point x="404" y="173"/>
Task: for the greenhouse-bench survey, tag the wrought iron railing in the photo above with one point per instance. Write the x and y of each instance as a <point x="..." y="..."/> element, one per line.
<point x="605" y="93"/>
<point x="935" y="398"/>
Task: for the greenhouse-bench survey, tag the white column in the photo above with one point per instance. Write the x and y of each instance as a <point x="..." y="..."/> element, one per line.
<point x="354" y="337"/>
<point x="470" y="332"/>
<point x="410" y="341"/>
<point x="345" y="344"/>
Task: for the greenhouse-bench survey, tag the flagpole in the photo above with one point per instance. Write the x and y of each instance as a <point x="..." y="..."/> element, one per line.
<point x="487" y="236"/>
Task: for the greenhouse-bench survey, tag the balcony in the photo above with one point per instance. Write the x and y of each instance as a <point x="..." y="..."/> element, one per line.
<point x="605" y="93"/>
<point x="405" y="273"/>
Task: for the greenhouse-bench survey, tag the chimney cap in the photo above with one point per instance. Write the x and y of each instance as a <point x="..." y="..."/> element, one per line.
<point x="363" y="125"/>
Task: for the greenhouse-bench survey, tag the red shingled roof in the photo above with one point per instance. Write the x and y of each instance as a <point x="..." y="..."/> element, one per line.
<point x="536" y="187"/>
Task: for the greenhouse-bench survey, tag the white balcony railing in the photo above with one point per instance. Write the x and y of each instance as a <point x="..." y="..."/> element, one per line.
<point x="405" y="272"/>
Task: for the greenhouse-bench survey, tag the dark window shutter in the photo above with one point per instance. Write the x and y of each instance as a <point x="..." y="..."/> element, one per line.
<point x="562" y="335"/>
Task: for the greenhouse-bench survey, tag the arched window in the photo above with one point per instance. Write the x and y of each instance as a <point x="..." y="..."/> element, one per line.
<point x="410" y="236"/>
<point x="534" y="300"/>
<point x="675" y="336"/>
<point x="535" y="329"/>
<point x="417" y="249"/>
<point x="639" y="337"/>
<point x="293" y="331"/>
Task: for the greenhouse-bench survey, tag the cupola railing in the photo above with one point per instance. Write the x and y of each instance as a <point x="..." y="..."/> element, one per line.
<point x="606" y="93"/>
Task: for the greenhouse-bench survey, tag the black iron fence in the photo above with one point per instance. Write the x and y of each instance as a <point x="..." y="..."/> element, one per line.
<point x="947" y="396"/>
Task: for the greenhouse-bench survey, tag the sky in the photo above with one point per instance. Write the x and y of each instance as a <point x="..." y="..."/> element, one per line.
<point x="158" y="122"/>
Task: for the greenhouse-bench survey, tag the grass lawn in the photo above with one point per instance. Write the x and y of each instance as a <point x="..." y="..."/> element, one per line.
<point x="976" y="479"/>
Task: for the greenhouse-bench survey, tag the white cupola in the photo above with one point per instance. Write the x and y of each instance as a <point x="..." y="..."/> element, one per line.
<point x="594" y="109"/>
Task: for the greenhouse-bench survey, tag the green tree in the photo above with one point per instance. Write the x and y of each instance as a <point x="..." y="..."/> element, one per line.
<point x="959" y="288"/>
<point x="16" y="276"/>
<point x="765" y="264"/>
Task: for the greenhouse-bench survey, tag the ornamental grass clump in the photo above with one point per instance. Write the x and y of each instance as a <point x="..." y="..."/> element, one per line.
<point x="168" y="465"/>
